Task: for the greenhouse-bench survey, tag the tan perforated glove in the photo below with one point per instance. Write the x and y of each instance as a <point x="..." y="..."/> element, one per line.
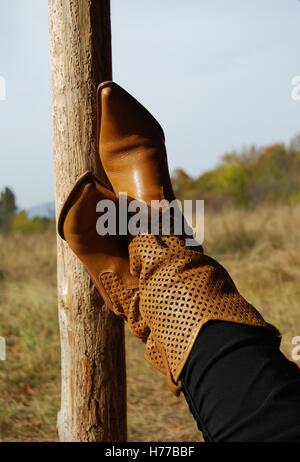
<point x="181" y="289"/>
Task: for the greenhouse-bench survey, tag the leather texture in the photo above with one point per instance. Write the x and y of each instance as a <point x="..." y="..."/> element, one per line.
<point x="180" y="288"/>
<point x="105" y="257"/>
<point x="132" y="146"/>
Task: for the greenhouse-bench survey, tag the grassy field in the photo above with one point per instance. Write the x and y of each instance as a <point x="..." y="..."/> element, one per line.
<point x="261" y="249"/>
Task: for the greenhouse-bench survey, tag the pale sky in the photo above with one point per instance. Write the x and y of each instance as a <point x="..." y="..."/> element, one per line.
<point x="216" y="74"/>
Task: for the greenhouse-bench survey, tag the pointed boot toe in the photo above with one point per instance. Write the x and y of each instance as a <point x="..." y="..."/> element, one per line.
<point x="132" y="146"/>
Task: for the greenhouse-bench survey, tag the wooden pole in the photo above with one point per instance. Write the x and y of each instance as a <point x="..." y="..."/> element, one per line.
<point x="93" y="391"/>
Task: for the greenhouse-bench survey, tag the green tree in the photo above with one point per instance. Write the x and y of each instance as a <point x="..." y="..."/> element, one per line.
<point x="21" y="223"/>
<point x="232" y="181"/>
<point x="181" y="182"/>
<point x="8" y="208"/>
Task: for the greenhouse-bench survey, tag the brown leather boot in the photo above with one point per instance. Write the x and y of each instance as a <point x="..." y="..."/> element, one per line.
<point x="132" y="146"/>
<point x="105" y="257"/>
<point x="133" y="152"/>
<point x="180" y="288"/>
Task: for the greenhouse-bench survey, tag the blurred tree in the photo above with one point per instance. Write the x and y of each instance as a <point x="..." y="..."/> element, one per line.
<point x="247" y="179"/>
<point x="7" y="208"/>
<point x="295" y="144"/>
<point x="231" y="181"/>
<point x="20" y="222"/>
<point x="181" y="182"/>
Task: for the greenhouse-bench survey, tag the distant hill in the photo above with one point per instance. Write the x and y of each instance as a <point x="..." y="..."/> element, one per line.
<point x="43" y="210"/>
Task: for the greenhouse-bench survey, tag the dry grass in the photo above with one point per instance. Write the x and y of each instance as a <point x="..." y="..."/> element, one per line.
<point x="29" y="378"/>
<point x="261" y="249"/>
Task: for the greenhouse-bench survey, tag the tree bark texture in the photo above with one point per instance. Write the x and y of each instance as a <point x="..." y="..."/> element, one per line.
<point x="93" y="391"/>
